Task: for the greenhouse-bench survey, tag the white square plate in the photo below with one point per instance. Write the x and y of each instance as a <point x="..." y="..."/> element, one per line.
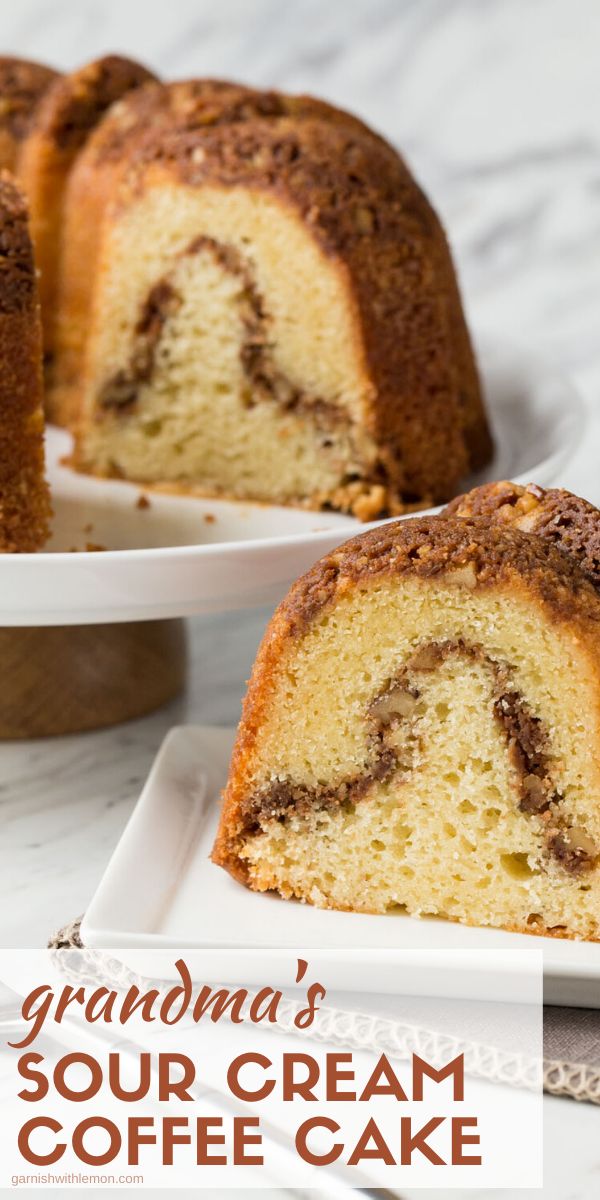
<point x="161" y="890"/>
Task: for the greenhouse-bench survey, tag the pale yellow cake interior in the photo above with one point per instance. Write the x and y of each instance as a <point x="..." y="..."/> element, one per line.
<point x="444" y="835"/>
<point x="196" y="420"/>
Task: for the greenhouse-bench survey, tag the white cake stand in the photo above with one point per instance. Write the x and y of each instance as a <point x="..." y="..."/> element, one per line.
<point x="117" y="560"/>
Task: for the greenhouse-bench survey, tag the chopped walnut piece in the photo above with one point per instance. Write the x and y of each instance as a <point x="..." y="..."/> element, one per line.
<point x="426" y="659"/>
<point x="528" y="522"/>
<point x="573" y="849"/>
<point x="364" y="500"/>
<point x="465" y="576"/>
<point x="398" y="701"/>
<point x="535" y="797"/>
<point x="371" y="504"/>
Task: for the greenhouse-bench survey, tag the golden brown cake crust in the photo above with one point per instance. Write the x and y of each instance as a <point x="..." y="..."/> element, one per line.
<point x="68" y="111"/>
<point x="471" y="552"/>
<point x="364" y="208"/>
<point x="138" y="125"/>
<point x="22" y="85"/>
<point x="195" y="104"/>
<point x="74" y="104"/>
<point x="17" y="268"/>
<point x="24" y="497"/>
<point x="430" y="546"/>
<point x="570" y="523"/>
<point x="141" y="116"/>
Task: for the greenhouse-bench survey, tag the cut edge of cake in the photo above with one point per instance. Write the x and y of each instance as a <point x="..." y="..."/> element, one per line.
<point x="367" y="390"/>
<point x="417" y="730"/>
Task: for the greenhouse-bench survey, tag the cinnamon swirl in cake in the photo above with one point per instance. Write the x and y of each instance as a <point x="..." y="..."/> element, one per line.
<point x="422" y="726"/>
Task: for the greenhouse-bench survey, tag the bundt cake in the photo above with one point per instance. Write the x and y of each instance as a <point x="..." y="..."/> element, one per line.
<point x="61" y="121"/>
<point x="22" y="85"/>
<point x="422" y="726"/>
<point x="140" y="114"/>
<point x="245" y="294"/>
<point x="24" y="497"/>
<point x="275" y="317"/>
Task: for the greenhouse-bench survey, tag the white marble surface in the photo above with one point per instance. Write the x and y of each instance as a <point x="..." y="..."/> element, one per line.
<point x="496" y="104"/>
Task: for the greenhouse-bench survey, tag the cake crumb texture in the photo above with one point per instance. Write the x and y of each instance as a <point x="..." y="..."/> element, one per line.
<point x="417" y="730"/>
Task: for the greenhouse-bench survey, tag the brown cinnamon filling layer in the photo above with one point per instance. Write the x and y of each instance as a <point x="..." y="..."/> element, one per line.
<point x="265" y="380"/>
<point x="121" y="391"/>
<point x="283" y="797"/>
<point x="364" y="492"/>
<point x="527" y="741"/>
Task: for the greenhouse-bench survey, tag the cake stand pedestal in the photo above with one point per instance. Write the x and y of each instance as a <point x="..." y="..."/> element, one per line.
<point x="67" y="679"/>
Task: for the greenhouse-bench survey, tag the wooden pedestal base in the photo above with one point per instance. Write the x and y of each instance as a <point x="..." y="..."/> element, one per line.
<point x="81" y="677"/>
